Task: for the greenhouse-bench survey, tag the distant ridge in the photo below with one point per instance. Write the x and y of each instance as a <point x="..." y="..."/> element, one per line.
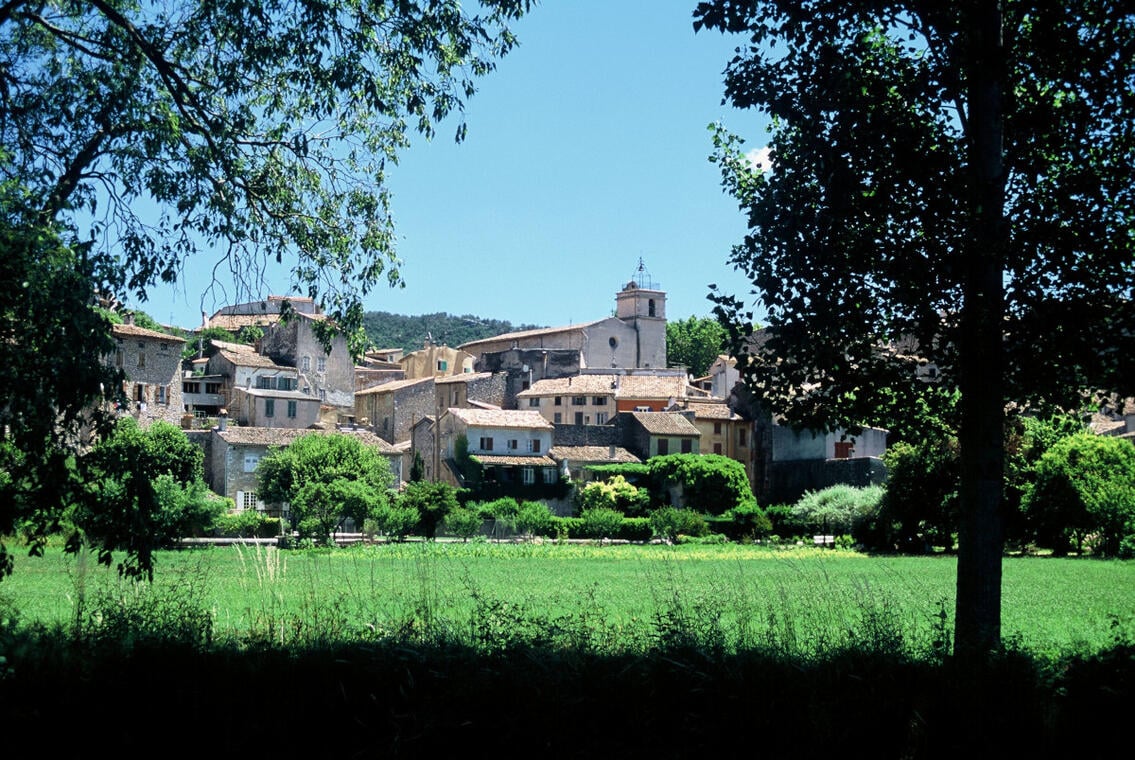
<point x="387" y="330"/>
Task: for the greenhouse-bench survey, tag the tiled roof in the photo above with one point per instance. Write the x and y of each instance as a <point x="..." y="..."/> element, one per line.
<point x="514" y="461"/>
<point x="133" y="331"/>
<point x="271" y="393"/>
<point x="592" y="454"/>
<point x="523" y="334"/>
<point x="665" y="423"/>
<point x="712" y="411"/>
<point x="250" y="359"/>
<point x="463" y="378"/>
<point x="234" y="322"/>
<point x="628" y="387"/>
<point x="507" y="418"/>
<point x="253" y="436"/>
<point x="393" y="385"/>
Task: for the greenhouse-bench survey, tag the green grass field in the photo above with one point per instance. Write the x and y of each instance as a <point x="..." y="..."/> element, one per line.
<point x="798" y="601"/>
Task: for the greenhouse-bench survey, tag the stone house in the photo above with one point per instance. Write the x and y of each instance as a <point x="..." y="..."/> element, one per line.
<point x="151" y="362"/>
<point x="434" y="360"/>
<point x="478" y="388"/>
<point x="573" y="460"/>
<point x="326" y="374"/>
<point x="510" y="446"/>
<point x="649" y="434"/>
<point x="595" y="398"/>
<point x="270" y="408"/>
<point x="260" y="313"/>
<point x="391" y="409"/>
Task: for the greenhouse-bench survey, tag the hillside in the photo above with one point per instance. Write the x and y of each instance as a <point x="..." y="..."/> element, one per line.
<point x="386" y="330"/>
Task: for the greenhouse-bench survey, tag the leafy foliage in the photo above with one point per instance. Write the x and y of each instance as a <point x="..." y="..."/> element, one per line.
<point x="710" y="483"/>
<point x="463" y="523"/>
<point x="919" y="506"/>
<point x="432" y="501"/>
<point x="601" y="522"/>
<point x="140" y="489"/>
<point x="839" y="509"/>
<point x="1084" y="486"/>
<point x="325" y="478"/>
<point x="672" y="522"/>
<point x="694" y="343"/>
<point x="614" y="493"/>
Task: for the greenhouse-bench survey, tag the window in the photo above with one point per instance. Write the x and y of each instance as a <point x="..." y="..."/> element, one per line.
<point x="557" y="418"/>
<point x="528" y="475"/>
<point x="513" y="444"/>
<point x="613" y="342"/>
<point x="717" y="428"/>
<point x="140" y="392"/>
<point x="163" y="346"/>
<point x="248" y="500"/>
<point x="717" y="448"/>
<point x="306" y="364"/>
<point x="322" y="394"/>
<point x="250" y="462"/>
<point x="559" y="401"/>
<point x="599" y="401"/>
<point x="687" y="446"/>
<point x="844" y="449"/>
<point x="741" y="437"/>
<point x="650" y="308"/>
<point x="486" y="443"/>
<point x="601" y="418"/>
<point x="550" y="475"/>
<point x="191" y="387"/>
<point x="120" y="358"/>
<point x="269" y="407"/>
<point x="533" y="402"/>
<point x="534" y="445"/>
<point x="663" y="446"/>
<point x="321" y="364"/>
<point x="163" y="394"/>
<point x="141" y="357"/>
<point x="442" y="365"/>
<point x="212" y="387"/>
<point x="579" y="418"/>
<point x="292" y="409"/>
<point x="579" y="400"/>
<point x="264" y="382"/>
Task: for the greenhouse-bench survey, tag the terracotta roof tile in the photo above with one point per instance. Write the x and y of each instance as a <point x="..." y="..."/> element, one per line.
<point x="133" y="331"/>
<point x="508" y="418"/>
<point x="665" y="423"/>
<point x="592" y="454"/>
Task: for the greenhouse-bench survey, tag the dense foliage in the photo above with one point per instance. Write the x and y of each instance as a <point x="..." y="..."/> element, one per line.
<point x="139" y="489"/>
<point x="325" y="479"/>
<point x="1084" y="490"/>
<point x="694" y="343"/>
<point x="614" y="493"/>
<point x="432" y="502"/>
<point x="710" y="483"/>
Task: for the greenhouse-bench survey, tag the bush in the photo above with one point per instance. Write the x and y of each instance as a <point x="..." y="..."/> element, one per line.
<point x="616" y="493"/>
<point x="838" y="509"/>
<point x="600" y="522"/>
<point x="534" y="518"/>
<point x="395" y="522"/>
<point x="246" y="524"/>
<point x="920" y="505"/>
<point x="671" y="522"/>
<point x="432" y="501"/>
<point x="748" y="521"/>
<point x="463" y="523"/>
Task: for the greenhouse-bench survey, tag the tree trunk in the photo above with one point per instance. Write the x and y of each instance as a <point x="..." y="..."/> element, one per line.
<point x="980" y="541"/>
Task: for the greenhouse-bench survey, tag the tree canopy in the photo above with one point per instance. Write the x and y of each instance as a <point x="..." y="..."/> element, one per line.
<point x="948" y="184"/>
<point x="695" y="343"/>
<point x="137" y="139"/>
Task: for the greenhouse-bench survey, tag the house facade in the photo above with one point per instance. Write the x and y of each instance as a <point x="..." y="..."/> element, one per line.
<point x="269" y="408"/>
<point x="151" y="362"/>
<point x="595" y="398"/>
<point x="511" y="446"/>
<point x="327" y="374"/>
<point x="650" y="434"/>
<point x="390" y="410"/>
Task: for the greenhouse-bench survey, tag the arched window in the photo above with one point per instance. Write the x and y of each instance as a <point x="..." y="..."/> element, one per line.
<point x="650" y="307"/>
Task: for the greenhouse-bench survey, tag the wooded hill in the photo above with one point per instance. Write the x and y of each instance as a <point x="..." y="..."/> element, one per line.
<point x="386" y="330"/>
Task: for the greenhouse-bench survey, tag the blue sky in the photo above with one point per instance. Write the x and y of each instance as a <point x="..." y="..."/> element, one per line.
<point x="586" y="150"/>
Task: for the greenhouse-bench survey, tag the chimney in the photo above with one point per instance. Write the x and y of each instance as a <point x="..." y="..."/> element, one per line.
<point x="611" y="451"/>
<point x="128" y="318"/>
<point x="222" y="421"/>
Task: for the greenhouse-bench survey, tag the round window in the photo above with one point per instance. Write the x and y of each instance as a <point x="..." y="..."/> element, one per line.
<point x="613" y="341"/>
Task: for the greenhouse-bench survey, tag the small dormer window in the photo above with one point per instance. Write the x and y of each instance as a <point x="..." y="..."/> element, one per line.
<point x="163" y="346"/>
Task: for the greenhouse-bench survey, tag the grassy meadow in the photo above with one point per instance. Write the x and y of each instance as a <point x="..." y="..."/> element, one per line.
<point x="795" y="601"/>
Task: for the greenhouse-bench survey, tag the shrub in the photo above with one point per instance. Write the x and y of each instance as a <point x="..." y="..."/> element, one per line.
<point x="616" y="493"/>
<point x="748" y="521"/>
<point x="463" y="523"/>
<point x="671" y="522"/>
<point x="534" y="518"/>
<point x="600" y="522"/>
<point x="920" y="504"/>
<point x="247" y="523"/>
<point x="838" y="509"/>
<point x="395" y="522"/>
